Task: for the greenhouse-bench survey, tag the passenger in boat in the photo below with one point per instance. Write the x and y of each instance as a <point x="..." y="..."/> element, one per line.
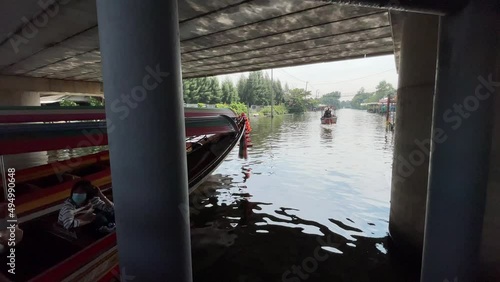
<point x="87" y="205"/>
<point x="328" y="113"/>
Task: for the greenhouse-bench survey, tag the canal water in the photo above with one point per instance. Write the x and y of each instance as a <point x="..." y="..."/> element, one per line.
<point x="311" y="203"/>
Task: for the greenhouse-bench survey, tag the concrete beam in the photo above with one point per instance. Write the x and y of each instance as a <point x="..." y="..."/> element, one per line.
<point x="249" y="16"/>
<point x="214" y="45"/>
<point x="466" y="90"/>
<point x="442" y="7"/>
<point x="322" y="58"/>
<point x="310" y="23"/>
<point x="33" y="84"/>
<point x="289" y="47"/>
<point x="49" y="28"/>
<point x="229" y="31"/>
<point x="307" y="53"/>
<point x="396" y="20"/>
<point x="412" y="138"/>
<point x="140" y="46"/>
<point x="490" y="245"/>
<point x="18" y="98"/>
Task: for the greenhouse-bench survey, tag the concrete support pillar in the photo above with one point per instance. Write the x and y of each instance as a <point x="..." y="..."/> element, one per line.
<point x="467" y="83"/>
<point x="490" y="243"/>
<point x="19" y="98"/>
<point x="417" y="72"/>
<point x="140" y="48"/>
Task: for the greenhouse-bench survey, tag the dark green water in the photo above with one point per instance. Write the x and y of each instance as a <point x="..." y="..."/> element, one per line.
<point x="311" y="203"/>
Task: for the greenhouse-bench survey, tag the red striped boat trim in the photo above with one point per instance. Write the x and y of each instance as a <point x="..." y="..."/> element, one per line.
<point x="50" y="114"/>
<point x="24" y="138"/>
<point x="75" y="262"/>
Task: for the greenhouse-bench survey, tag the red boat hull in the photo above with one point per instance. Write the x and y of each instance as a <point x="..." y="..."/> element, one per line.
<point x="332" y="120"/>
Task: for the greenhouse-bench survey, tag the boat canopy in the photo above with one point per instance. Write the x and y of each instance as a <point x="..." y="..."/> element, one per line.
<point x="81" y="113"/>
<point x="34" y="137"/>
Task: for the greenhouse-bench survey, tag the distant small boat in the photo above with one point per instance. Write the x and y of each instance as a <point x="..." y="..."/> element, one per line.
<point x="329" y="120"/>
<point x="328" y="117"/>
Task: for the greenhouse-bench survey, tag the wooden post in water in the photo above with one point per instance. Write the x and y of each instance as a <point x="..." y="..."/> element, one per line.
<point x="388" y="115"/>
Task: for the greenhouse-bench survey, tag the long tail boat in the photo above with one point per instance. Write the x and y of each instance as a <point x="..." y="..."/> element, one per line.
<point x="47" y="251"/>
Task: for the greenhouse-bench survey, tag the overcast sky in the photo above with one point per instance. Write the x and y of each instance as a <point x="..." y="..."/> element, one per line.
<point x="344" y="76"/>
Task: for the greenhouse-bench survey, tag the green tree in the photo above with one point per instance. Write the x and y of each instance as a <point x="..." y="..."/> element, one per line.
<point x="382" y="90"/>
<point x="279" y="93"/>
<point x="312" y="103"/>
<point x="214" y="90"/>
<point x="242" y="89"/>
<point x="286" y="89"/>
<point x="68" y="103"/>
<point x="256" y="90"/>
<point x="191" y="88"/>
<point x="345" y="104"/>
<point x="331" y="99"/>
<point x="202" y="90"/>
<point x="297" y="101"/>
<point x="360" y="98"/>
<point x="95" y="102"/>
<point x="229" y="92"/>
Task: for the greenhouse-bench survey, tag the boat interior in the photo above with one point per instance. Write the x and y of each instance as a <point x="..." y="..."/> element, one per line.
<point x="48" y="252"/>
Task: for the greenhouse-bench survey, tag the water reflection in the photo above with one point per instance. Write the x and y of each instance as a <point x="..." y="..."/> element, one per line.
<point x="326" y="132"/>
<point x="26" y="160"/>
<point x="305" y="189"/>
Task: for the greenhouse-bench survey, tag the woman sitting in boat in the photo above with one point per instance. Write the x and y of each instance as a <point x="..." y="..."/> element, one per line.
<point x="87" y="205"/>
<point x="328" y="113"/>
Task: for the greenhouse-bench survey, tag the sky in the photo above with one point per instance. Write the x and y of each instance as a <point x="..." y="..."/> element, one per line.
<point x="344" y="76"/>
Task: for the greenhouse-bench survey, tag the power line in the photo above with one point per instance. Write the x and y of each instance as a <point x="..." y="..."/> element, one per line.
<point x="337" y="82"/>
<point x="291" y="76"/>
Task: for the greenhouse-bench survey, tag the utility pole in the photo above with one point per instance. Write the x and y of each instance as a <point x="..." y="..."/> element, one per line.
<point x="272" y="94"/>
<point x="306" y="85"/>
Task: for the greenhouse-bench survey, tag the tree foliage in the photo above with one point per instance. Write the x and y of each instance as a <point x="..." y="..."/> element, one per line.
<point x="229" y="92"/>
<point x="345" y="104"/>
<point x="238" y="108"/>
<point x="68" y="103"/>
<point x="258" y="88"/>
<point x="202" y="90"/>
<point x="96" y="102"/>
<point x="331" y="99"/>
<point x="359" y="98"/>
<point x="297" y="100"/>
<point x="382" y="90"/>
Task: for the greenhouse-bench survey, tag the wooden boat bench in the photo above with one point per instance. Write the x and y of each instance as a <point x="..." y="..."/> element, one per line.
<point x="79" y="237"/>
<point x="58" y="230"/>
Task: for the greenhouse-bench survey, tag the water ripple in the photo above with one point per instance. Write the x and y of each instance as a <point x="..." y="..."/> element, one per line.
<point x="304" y="183"/>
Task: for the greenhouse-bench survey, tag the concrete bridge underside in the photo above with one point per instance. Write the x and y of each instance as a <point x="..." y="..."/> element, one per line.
<point x="217" y="37"/>
<point x="53" y="47"/>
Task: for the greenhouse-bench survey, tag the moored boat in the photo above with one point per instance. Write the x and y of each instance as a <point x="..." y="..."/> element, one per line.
<point x="47" y="251"/>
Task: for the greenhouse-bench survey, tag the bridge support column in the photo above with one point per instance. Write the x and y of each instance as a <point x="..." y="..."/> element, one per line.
<point x="19" y="98"/>
<point x="490" y="245"/>
<point x="140" y="48"/>
<point x="467" y="83"/>
<point x="417" y="72"/>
